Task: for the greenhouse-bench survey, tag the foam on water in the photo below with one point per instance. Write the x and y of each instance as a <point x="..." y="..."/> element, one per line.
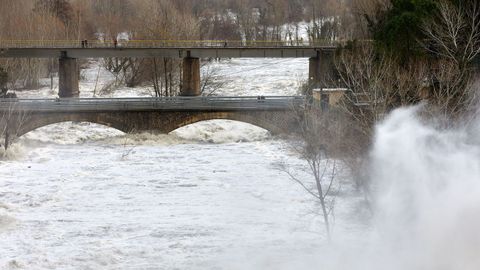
<point x="197" y="199"/>
<point x="213" y="131"/>
<point x="6" y="222"/>
<point x="191" y="205"/>
<point x="89" y="197"/>
<point x="68" y="133"/>
<point x="269" y="77"/>
<point x="222" y="131"/>
<point x="15" y="152"/>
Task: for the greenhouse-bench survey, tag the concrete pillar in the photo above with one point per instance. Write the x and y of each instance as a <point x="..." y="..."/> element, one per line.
<point x="191" y="77"/>
<point x="321" y="72"/>
<point x="68" y="76"/>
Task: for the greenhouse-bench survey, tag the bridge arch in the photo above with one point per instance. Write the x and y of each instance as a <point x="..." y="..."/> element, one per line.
<point x="34" y="123"/>
<point x="249" y="118"/>
<point x="164" y="122"/>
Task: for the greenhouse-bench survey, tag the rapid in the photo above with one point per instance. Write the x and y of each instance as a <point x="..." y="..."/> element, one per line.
<point x="208" y="195"/>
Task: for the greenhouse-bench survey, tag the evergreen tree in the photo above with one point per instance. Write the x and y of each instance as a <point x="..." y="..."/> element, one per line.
<point x="398" y="29"/>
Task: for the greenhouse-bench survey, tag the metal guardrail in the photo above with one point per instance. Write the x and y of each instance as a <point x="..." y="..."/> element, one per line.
<point x="151" y="104"/>
<point x="164" y="44"/>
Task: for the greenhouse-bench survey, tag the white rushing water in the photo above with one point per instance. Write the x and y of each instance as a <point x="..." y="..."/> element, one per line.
<point x="208" y="196"/>
<point x="158" y="203"/>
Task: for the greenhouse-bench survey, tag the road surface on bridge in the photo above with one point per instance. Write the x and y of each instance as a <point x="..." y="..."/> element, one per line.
<point x="153" y="104"/>
<point x="95" y="44"/>
<point x="162" y="48"/>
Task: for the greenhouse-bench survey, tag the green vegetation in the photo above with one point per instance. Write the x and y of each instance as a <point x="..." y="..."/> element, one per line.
<point x="397" y="29"/>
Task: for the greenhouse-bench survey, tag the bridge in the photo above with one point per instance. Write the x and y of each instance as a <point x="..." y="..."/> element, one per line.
<point x="20" y="116"/>
<point x="321" y="54"/>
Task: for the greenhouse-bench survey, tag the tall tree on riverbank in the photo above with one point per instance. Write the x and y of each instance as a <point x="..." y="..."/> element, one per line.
<point x="319" y="144"/>
<point x="454" y="31"/>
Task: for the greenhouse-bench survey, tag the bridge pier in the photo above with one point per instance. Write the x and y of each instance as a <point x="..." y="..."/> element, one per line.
<point x="191" y="77"/>
<point x="68" y="78"/>
<point x="321" y="73"/>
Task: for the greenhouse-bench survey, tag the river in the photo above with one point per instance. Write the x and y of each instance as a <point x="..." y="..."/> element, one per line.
<point x="207" y="196"/>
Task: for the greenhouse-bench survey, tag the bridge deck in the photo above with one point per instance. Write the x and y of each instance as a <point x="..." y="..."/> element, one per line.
<point x="161" y="48"/>
<point x="163" y="44"/>
<point x="153" y="104"/>
<point x="228" y="52"/>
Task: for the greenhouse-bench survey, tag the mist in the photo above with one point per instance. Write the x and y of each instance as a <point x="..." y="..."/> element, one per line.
<point x="426" y="197"/>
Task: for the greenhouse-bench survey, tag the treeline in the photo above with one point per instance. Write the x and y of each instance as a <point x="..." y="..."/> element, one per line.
<point x="217" y="19"/>
<point x="433" y="45"/>
<point x="172" y="19"/>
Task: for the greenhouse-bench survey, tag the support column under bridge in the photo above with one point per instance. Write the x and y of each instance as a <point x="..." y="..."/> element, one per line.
<point x="321" y="72"/>
<point x="191" y="77"/>
<point x="68" y="78"/>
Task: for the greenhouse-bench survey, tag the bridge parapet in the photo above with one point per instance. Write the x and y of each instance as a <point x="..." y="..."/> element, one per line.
<point x="223" y="103"/>
<point x="166" y="44"/>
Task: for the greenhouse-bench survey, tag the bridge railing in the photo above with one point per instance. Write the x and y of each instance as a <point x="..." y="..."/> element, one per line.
<point x="162" y="43"/>
<point x="145" y="104"/>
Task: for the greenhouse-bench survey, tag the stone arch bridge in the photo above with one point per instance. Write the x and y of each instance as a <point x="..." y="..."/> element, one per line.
<point x="163" y="115"/>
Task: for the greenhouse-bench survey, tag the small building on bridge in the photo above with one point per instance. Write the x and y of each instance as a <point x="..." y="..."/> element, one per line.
<point x="329" y="97"/>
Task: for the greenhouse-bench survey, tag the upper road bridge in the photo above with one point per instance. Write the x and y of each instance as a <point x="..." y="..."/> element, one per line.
<point x="321" y="55"/>
<point x="276" y="114"/>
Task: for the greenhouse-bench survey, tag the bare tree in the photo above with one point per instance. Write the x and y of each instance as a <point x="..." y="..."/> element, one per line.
<point x="454" y="33"/>
<point x="12" y="120"/>
<point x="366" y="78"/>
<point x="319" y="146"/>
<point x="211" y="80"/>
<point x="454" y="36"/>
<point x="376" y="85"/>
<point x="451" y="90"/>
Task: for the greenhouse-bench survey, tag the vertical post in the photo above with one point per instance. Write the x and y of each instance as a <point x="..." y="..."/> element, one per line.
<point x="313" y="71"/>
<point x="7" y="139"/>
<point x="191" y="77"/>
<point x="69" y="75"/>
<point x="322" y="69"/>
